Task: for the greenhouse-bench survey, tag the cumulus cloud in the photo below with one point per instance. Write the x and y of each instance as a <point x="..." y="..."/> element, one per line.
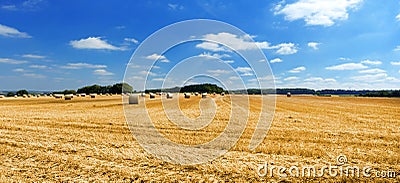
<point x="380" y="77"/>
<point x="175" y="6"/>
<point x="317" y="12"/>
<point x="285" y="48"/>
<point x="319" y="79"/>
<point x="215" y="55"/>
<point x="298" y="69"/>
<point x="218" y="72"/>
<point x="38" y="66"/>
<point x="102" y="72"/>
<point x="20" y="70"/>
<point x="83" y="66"/>
<point x="275" y="60"/>
<point x="397" y="48"/>
<point x="94" y="43"/>
<point x="395" y="63"/>
<point x="12" y="61"/>
<point x="34" y="75"/>
<point x="372" y="71"/>
<point x="12" y="32"/>
<point x="371" y="62"/>
<point x="293" y="78"/>
<point x="245" y="42"/>
<point x="132" y="40"/>
<point x="33" y="56"/>
<point x="398" y="17"/>
<point x="156" y="56"/>
<point x="313" y="45"/>
<point x="244" y="71"/>
<point x="347" y="66"/>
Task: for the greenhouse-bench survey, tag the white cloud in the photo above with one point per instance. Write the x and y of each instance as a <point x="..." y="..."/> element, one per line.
<point x="344" y="58"/>
<point x="218" y="72"/>
<point x="12" y="61"/>
<point x="33" y="56"/>
<point x="398" y="17"/>
<point x="147" y="73"/>
<point x="234" y="41"/>
<point x="293" y="78"/>
<point x="229" y="61"/>
<point x="245" y="42"/>
<point x="395" y="63"/>
<point x="347" y="66"/>
<point x="158" y="79"/>
<point x="372" y="71"/>
<point x="83" y="66"/>
<point x="275" y="60"/>
<point x="317" y="12"/>
<point x="156" y="56"/>
<point x="9" y="7"/>
<point x="20" y="70"/>
<point x="94" y="43"/>
<point x="298" y="69"/>
<point x="175" y="6"/>
<point x="38" y="66"/>
<point x="397" y="48"/>
<point x="371" y="77"/>
<point x="319" y="79"/>
<point x="215" y="55"/>
<point x="131" y="40"/>
<point x="371" y="62"/>
<point x="33" y="75"/>
<point x="12" y="32"/>
<point x="285" y="48"/>
<point x="313" y="45"/>
<point x="102" y="72"/>
<point x="244" y="71"/>
<point x="233" y="78"/>
<point x="211" y="46"/>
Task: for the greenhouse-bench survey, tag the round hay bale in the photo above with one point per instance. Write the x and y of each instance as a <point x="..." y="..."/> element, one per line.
<point x="134" y="99"/>
<point x="196" y="93"/>
<point x="187" y="95"/>
<point x="143" y="94"/>
<point x="223" y="94"/>
<point x="170" y="95"/>
<point x="83" y="94"/>
<point x="15" y="96"/>
<point x="93" y="95"/>
<point x="288" y="94"/>
<point x="2" y="96"/>
<point x="204" y="95"/>
<point x="58" y="96"/>
<point x="68" y="97"/>
<point x="152" y="95"/>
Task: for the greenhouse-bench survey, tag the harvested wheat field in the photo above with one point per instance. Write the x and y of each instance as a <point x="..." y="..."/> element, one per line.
<point x="47" y="139"/>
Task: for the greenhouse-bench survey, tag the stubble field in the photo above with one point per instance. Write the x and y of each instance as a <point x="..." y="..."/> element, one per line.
<point x="47" y="139"/>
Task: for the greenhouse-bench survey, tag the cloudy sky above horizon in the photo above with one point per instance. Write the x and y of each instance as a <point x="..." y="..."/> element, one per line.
<point x="55" y="45"/>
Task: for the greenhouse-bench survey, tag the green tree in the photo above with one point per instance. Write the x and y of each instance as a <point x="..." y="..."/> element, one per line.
<point x="10" y="94"/>
<point x="22" y="92"/>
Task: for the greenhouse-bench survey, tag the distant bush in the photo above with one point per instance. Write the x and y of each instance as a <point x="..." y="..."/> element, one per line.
<point x="116" y="88"/>
<point x="22" y="92"/>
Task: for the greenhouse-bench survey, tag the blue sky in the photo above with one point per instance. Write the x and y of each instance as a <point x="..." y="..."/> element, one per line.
<point x="56" y="45"/>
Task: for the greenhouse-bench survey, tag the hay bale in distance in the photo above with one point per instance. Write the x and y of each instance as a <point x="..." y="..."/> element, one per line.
<point x="134" y="99"/>
<point x="152" y="95"/>
<point x="143" y="94"/>
<point x="196" y="93"/>
<point x="204" y="95"/>
<point x="93" y="95"/>
<point x="68" y="97"/>
<point x="223" y="94"/>
<point x="2" y="96"/>
<point x="170" y="95"/>
<point x="187" y="95"/>
<point x="288" y="94"/>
